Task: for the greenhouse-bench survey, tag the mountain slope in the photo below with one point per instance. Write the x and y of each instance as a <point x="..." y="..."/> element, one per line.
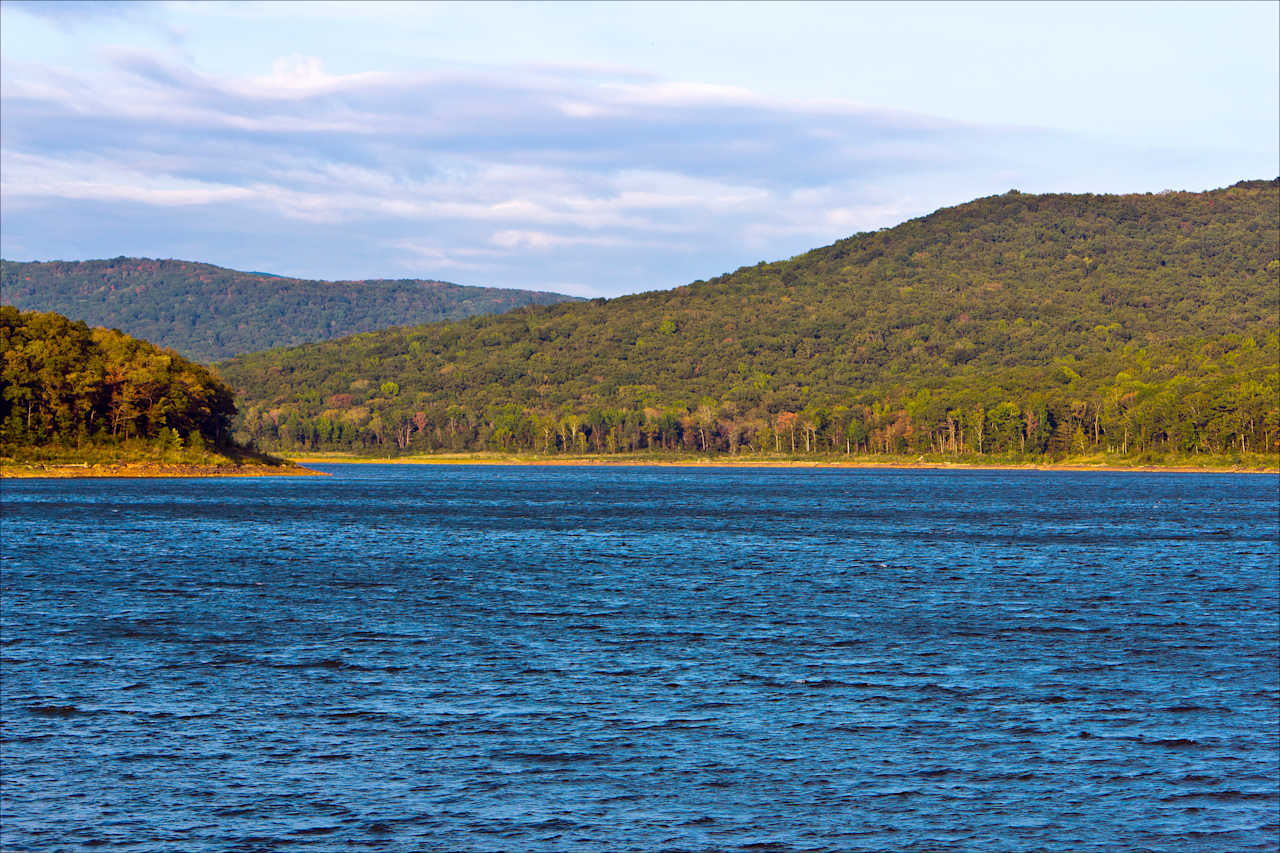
<point x="208" y="312"/>
<point x="1115" y="321"/>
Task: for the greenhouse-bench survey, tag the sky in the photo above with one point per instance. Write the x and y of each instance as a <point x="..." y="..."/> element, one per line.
<point x="596" y="148"/>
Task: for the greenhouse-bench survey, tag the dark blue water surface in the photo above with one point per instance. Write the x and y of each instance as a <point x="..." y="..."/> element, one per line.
<point x="488" y="658"/>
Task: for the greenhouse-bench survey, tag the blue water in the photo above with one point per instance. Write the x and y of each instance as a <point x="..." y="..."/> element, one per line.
<point x="485" y="658"/>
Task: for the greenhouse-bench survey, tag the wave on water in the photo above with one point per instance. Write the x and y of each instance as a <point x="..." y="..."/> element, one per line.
<point x="459" y="659"/>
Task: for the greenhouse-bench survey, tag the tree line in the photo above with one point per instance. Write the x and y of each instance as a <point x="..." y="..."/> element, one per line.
<point x="1227" y="404"/>
<point x="62" y="383"/>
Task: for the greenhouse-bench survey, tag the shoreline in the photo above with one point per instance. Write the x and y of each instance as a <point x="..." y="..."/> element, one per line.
<point x="146" y="470"/>
<point x="297" y="466"/>
<point x="863" y="464"/>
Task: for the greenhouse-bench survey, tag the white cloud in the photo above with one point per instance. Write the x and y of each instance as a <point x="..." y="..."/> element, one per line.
<point x="27" y="176"/>
<point x="442" y="257"/>
<point x="543" y="240"/>
<point x="516" y="177"/>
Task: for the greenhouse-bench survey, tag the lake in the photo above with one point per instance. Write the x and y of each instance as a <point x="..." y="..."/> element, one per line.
<point x="457" y="658"/>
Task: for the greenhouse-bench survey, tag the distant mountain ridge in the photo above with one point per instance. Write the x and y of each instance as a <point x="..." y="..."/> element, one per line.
<point x="209" y="313"/>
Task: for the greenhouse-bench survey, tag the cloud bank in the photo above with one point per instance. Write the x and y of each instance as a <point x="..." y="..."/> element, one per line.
<point x="586" y="180"/>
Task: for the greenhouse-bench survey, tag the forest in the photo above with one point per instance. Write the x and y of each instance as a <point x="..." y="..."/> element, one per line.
<point x="64" y="385"/>
<point x="209" y="313"/>
<point x="1015" y="326"/>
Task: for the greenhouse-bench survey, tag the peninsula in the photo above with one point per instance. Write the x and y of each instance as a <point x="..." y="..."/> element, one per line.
<point x="96" y="402"/>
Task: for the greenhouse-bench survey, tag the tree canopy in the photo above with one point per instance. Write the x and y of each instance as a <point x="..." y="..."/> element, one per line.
<point x="62" y="383"/>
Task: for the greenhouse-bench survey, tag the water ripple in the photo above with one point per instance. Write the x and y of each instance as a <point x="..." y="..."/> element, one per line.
<point x="453" y="659"/>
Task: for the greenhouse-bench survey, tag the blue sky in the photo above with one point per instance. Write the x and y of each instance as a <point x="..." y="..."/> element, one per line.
<point x="596" y="149"/>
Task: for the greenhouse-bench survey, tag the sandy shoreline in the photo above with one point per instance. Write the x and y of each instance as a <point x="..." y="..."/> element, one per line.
<point x="297" y="466"/>
<point x="906" y="464"/>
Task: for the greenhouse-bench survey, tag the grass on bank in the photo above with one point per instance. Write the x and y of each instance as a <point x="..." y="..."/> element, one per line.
<point x="136" y="457"/>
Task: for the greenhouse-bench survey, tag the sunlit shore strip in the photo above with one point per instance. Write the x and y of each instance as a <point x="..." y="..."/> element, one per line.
<point x="641" y="460"/>
<point x="63" y="471"/>
<point x="297" y="465"/>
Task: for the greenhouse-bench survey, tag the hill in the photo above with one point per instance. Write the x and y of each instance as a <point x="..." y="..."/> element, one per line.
<point x="71" y="394"/>
<point x="1016" y="324"/>
<point x="210" y="313"/>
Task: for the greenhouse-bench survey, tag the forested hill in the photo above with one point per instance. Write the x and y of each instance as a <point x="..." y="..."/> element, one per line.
<point x="64" y="384"/>
<point x="208" y="313"/>
<point x="1027" y="324"/>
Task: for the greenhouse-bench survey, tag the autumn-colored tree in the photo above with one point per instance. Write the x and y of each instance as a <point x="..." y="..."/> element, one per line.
<point x="786" y="422"/>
